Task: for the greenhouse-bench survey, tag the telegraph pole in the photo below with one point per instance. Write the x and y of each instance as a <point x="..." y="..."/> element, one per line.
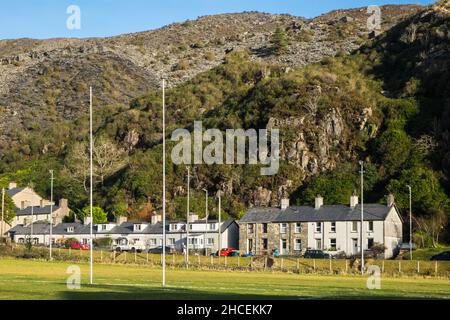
<point x="410" y="223"/>
<point x="361" y="163"/>
<point x="188" y="213"/>
<point x="3" y="213"/>
<point x="220" y="221"/>
<point x="206" y="221"/>
<point x="51" y="213"/>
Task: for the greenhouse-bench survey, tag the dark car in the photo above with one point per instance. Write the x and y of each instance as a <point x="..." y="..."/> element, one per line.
<point x="159" y="250"/>
<point x="443" y="256"/>
<point x="317" y="254"/>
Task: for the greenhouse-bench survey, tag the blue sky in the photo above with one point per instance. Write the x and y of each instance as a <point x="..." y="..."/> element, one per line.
<point x="47" y="18"/>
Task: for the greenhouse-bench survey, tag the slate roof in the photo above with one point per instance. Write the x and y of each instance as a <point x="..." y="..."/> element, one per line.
<point x="372" y="212"/>
<point x="12" y="192"/>
<point x="124" y="228"/>
<point x="36" y="210"/>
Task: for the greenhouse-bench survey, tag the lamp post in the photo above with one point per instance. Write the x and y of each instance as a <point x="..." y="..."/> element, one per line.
<point x="206" y="221"/>
<point x="361" y="163"/>
<point x="3" y="213"/>
<point x="219" y="240"/>
<point x="410" y="222"/>
<point x="188" y="213"/>
<point x="51" y="213"/>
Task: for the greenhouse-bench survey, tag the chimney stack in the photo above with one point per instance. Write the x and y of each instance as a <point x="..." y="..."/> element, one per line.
<point x="156" y="218"/>
<point x="87" y="220"/>
<point x="390" y="200"/>
<point x="318" y="202"/>
<point x="121" y="219"/>
<point x="193" y="217"/>
<point x="12" y="185"/>
<point x="353" y="200"/>
<point x="284" y="203"/>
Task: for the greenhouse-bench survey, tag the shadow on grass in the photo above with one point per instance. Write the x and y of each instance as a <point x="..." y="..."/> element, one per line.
<point x="121" y="292"/>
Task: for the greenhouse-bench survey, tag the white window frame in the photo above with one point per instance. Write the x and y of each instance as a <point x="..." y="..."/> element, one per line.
<point x="354" y="226"/>
<point x="171" y="241"/>
<point x="298" y="227"/>
<point x="70" y="229"/>
<point x="210" y="241"/>
<point x="370" y="229"/>
<point x="283" y="228"/>
<point x="251" y="228"/>
<point x="298" y="244"/>
<point x="333" y="226"/>
<point x="335" y="243"/>
<point x="318" y="227"/>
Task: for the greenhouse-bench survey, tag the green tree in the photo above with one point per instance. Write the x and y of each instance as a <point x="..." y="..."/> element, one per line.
<point x="393" y="149"/>
<point x="9" y="209"/>
<point x="279" y="42"/>
<point x="98" y="214"/>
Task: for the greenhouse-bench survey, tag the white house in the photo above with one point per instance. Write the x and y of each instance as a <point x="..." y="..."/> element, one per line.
<point x="201" y="235"/>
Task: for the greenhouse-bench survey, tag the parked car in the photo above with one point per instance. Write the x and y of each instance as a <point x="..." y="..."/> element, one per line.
<point x="79" y="246"/>
<point x="317" y="254"/>
<point x="123" y="244"/>
<point x="443" y="256"/>
<point x="159" y="250"/>
<point x="224" y="252"/>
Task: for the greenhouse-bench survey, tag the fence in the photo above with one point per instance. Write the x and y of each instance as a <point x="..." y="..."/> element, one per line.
<point x="295" y="265"/>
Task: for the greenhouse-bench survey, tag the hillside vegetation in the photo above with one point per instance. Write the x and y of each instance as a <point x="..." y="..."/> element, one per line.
<point x="386" y="103"/>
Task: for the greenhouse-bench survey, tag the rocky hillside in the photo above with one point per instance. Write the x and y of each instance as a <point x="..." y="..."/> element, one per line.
<point x="337" y="94"/>
<point x="43" y="81"/>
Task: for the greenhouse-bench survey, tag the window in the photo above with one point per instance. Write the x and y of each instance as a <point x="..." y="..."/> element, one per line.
<point x="283" y="244"/>
<point x="283" y="227"/>
<point x="298" y="245"/>
<point x="153" y="242"/>
<point x="191" y="227"/>
<point x="103" y="227"/>
<point x="333" y="244"/>
<point x="193" y="241"/>
<point x="333" y="227"/>
<point x="70" y="229"/>
<point x="298" y="227"/>
<point x="171" y="241"/>
<point x="250" y="228"/>
<point x="264" y="227"/>
<point x="318" y="226"/>
<point x="249" y="245"/>
<point x="172" y="227"/>
<point x="318" y="244"/>
<point x="370" y="227"/>
<point x="137" y="227"/>
<point x="210" y="241"/>
<point x="354" y="226"/>
<point x="212" y="226"/>
<point x="265" y="244"/>
<point x="370" y="243"/>
<point x="21" y="240"/>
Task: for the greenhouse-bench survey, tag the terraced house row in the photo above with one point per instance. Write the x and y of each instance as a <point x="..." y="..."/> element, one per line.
<point x="290" y="230"/>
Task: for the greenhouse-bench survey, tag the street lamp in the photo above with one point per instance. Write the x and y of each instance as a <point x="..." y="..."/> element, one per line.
<point x="219" y="240"/>
<point x="188" y="213"/>
<point x="164" y="182"/>
<point x="206" y="220"/>
<point x="361" y="163"/>
<point x="3" y="213"/>
<point x="51" y="212"/>
<point x="410" y="222"/>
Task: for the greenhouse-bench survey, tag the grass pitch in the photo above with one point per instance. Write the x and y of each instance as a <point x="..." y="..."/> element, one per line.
<point x="27" y="279"/>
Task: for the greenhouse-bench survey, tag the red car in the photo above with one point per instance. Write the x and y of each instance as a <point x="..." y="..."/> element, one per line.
<point x="79" y="246"/>
<point x="226" y="252"/>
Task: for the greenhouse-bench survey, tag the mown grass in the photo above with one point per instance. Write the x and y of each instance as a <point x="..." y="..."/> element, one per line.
<point x="28" y="279"/>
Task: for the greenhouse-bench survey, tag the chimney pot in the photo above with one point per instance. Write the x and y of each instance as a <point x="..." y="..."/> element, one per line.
<point x="353" y="200"/>
<point x="318" y="202"/>
<point x="390" y="200"/>
<point x="284" y="203"/>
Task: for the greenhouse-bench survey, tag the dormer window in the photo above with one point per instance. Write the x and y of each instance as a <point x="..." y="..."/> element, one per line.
<point x="137" y="227"/>
<point x="103" y="227"/>
<point x="173" y="227"/>
<point x="70" y="229"/>
<point x="212" y="226"/>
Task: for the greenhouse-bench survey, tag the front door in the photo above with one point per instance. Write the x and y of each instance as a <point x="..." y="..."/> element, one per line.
<point x="249" y="245"/>
<point x="283" y="246"/>
<point x="354" y="246"/>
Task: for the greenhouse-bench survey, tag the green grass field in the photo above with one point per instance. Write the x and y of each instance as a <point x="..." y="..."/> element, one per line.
<point x="27" y="279"/>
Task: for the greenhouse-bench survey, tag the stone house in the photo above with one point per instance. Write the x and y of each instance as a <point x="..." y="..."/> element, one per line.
<point x="30" y="206"/>
<point x="332" y="228"/>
